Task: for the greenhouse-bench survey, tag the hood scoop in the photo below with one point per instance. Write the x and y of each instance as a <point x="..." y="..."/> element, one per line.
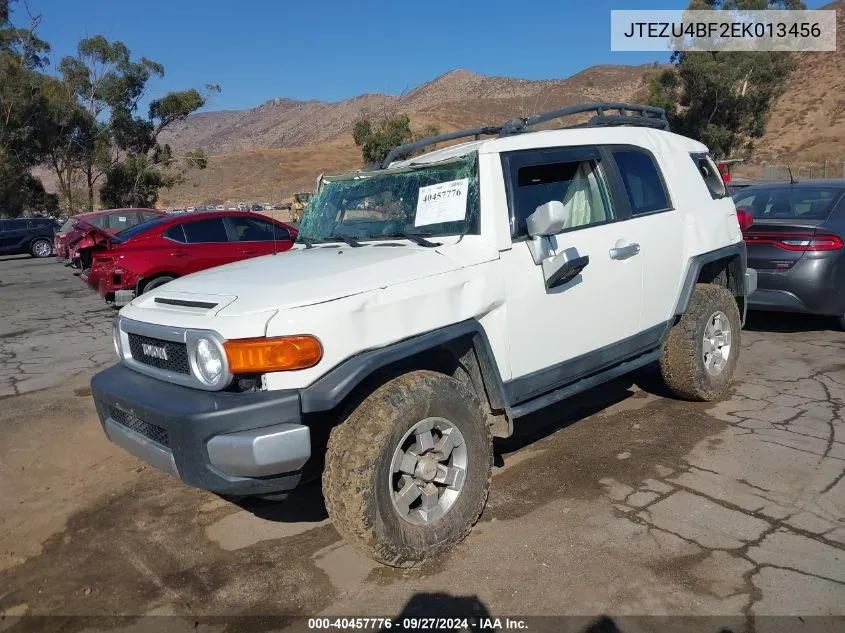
<point x="165" y="298"/>
<point x="186" y="303"/>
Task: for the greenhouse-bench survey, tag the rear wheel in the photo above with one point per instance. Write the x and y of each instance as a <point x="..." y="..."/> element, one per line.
<point x="41" y="248"/>
<point x="407" y="473"/>
<point x="701" y="351"/>
<point x="158" y="281"/>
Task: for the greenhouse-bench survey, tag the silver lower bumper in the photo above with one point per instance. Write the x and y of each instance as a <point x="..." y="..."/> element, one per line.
<point x="282" y="448"/>
<point x="140" y="446"/>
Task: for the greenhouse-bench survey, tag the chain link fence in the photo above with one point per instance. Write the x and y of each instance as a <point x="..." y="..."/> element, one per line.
<point x="827" y="169"/>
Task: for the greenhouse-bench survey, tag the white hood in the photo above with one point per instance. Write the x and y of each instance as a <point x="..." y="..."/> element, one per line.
<point x="302" y="277"/>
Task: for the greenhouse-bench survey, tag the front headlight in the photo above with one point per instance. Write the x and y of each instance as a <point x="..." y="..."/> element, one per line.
<point x="209" y="361"/>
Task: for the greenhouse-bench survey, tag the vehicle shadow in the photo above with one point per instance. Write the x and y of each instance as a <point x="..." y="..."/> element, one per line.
<point x="306" y="504"/>
<point x="303" y="504"/>
<point x="12" y="258"/>
<point x="789" y="322"/>
<point x="425" y="610"/>
<point x="545" y="422"/>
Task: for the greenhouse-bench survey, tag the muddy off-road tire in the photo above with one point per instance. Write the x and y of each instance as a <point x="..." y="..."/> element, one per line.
<point x="406" y="425"/>
<point x="701" y="351"/>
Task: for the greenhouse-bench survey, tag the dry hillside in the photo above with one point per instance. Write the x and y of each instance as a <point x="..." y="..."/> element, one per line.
<point x="269" y="152"/>
<point x="287" y="123"/>
<point x="808" y="122"/>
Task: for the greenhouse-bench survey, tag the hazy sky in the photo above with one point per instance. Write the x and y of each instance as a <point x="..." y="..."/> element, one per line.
<point x="331" y="50"/>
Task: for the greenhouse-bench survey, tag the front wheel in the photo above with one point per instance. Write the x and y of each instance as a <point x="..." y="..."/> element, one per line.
<point x="407" y="473"/>
<point x="41" y="248"/>
<point x="701" y="351"/>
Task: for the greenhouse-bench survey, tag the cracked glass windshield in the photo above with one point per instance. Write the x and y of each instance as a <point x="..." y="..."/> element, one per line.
<point x="414" y="201"/>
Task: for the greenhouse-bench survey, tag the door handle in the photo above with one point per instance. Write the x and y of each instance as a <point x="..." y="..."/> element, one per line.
<point x="179" y="253"/>
<point x="250" y="252"/>
<point x="624" y="252"/>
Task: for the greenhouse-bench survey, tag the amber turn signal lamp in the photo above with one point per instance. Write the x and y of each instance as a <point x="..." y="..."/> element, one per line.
<point x="251" y="355"/>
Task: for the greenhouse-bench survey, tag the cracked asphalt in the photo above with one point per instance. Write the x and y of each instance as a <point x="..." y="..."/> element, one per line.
<point x="621" y="502"/>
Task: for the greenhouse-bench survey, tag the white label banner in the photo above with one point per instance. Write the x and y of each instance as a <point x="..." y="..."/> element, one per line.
<point x="443" y="202"/>
<point x="734" y="30"/>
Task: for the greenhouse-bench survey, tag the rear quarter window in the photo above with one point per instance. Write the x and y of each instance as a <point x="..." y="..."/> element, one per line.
<point x="176" y="233"/>
<point x="709" y="174"/>
<point x="642" y="180"/>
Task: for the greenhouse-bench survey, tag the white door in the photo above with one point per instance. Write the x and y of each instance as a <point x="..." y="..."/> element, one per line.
<point x="656" y="226"/>
<point x="550" y="328"/>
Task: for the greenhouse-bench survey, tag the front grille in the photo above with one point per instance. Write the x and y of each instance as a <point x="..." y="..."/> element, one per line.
<point x="150" y="431"/>
<point x="176" y="360"/>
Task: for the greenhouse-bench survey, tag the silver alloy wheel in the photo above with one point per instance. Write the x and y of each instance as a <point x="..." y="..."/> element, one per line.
<point x="428" y="471"/>
<point x="716" y="349"/>
<point x="42" y="248"/>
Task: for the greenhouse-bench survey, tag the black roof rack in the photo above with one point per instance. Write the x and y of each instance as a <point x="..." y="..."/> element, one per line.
<point x="625" y="114"/>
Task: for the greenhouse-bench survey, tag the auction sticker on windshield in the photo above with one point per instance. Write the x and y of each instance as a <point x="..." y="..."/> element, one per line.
<point x="443" y="202"/>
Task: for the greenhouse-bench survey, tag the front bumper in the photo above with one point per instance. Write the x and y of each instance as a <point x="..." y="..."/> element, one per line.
<point x="230" y="443"/>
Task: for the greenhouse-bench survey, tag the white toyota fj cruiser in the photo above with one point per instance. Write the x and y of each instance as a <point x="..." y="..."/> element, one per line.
<point x="428" y="305"/>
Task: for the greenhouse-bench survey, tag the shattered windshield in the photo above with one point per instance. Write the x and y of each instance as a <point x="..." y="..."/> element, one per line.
<point x="430" y="200"/>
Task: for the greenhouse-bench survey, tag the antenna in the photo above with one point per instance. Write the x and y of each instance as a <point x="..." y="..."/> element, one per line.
<point x="791" y="179"/>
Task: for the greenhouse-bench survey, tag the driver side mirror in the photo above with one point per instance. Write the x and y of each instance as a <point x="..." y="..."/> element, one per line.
<point x="547" y="219"/>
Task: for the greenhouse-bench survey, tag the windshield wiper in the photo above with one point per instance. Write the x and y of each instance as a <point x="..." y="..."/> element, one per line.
<point x="351" y="241"/>
<point x="309" y="243"/>
<point x="416" y="238"/>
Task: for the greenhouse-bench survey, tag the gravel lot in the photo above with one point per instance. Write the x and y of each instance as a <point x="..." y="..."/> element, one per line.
<point x="622" y="502"/>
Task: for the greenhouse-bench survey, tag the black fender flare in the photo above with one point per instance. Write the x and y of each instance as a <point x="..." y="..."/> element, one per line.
<point x="329" y="390"/>
<point x="699" y="261"/>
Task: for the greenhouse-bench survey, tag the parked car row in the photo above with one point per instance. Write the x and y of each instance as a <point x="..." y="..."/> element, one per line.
<point x="241" y="206"/>
<point x="155" y="248"/>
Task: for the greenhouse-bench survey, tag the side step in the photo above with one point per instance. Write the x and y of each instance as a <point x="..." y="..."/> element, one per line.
<point x="589" y="382"/>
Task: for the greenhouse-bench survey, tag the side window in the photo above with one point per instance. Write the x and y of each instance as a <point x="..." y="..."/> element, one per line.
<point x="176" y="233"/>
<point x="642" y="181"/>
<point x="98" y="221"/>
<point x="147" y="216"/>
<point x="120" y="221"/>
<point x="205" y="231"/>
<point x="255" y="230"/>
<point x="710" y="174"/>
<point x="578" y="184"/>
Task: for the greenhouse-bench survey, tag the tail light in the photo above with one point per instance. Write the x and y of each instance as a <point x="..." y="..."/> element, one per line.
<point x="796" y="242"/>
<point x="745" y="218"/>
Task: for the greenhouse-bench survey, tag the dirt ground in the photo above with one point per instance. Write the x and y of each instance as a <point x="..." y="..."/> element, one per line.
<point x="622" y="502"/>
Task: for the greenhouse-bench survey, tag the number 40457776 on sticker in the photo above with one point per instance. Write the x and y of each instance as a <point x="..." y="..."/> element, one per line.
<point x="443" y="202"/>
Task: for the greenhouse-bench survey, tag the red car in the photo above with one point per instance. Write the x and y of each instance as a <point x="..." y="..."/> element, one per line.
<point x="155" y="252"/>
<point x="109" y="220"/>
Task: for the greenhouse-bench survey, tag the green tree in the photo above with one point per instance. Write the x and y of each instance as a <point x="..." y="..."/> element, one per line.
<point x="71" y="136"/>
<point x="104" y="79"/>
<point x="377" y="140"/>
<point x="23" y="113"/>
<point x="724" y="98"/>
<point x="147" y="166"/>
